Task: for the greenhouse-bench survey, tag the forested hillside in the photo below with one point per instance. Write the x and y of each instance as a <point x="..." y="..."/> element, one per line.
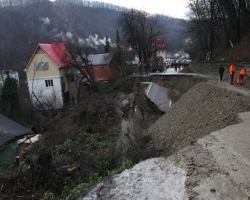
<point x="219" y="29"/>
<point x="26" y="23"/>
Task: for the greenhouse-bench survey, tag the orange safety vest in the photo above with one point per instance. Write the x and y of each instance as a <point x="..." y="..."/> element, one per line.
<point x="232" y="70"/>
<point x="241" y="76"/>
<point x="243" y="72"/>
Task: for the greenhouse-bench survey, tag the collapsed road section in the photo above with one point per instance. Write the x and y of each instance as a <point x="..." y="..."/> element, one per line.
<point x="204" y="144"/>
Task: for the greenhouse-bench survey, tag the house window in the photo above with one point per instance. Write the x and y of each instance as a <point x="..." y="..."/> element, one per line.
<point x="49" y="83"/>
<point x="41" y="66"/>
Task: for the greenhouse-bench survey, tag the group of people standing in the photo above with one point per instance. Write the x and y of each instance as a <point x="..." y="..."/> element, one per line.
<point x="232" y="71"/>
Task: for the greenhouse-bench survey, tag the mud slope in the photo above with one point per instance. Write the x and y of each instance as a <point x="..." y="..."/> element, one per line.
<point x="205" y="108"/>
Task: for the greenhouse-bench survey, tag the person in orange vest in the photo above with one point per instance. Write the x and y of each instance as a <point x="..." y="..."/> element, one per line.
<point x="242" y="74"/>
<point x="232" y="70"/>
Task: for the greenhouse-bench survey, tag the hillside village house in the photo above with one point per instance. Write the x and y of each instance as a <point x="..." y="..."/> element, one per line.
<point x="159" y="56"/>
<point x="161" y="46"/>
<point x="51" y="80"/>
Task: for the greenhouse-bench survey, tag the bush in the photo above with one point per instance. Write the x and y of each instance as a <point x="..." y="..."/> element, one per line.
<point x="49" y="196"/>
<point x="66" y="146"/>
<point x="128" y="70"/>
<point x="78" y="189"/>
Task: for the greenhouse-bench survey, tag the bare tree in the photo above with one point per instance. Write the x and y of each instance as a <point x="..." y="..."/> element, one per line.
<point x="202" y="24"/>
<point x="217" y="22"/>
<point x="140" y="30"/>
<point x="77" y="57"/>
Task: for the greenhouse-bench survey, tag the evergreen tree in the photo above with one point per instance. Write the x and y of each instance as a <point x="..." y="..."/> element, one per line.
<point x="107" y="45"/>
<point x="117" y="37"/>
<point x="118" y="53"/>
<point x="9" y="101"/>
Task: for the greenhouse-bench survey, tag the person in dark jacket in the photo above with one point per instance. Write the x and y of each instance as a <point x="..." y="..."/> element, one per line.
<point x="221" y="71"/>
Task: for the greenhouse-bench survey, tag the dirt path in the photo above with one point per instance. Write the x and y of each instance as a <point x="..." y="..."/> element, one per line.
<point x="218" y="165"/>
<point x="225" y="85"/>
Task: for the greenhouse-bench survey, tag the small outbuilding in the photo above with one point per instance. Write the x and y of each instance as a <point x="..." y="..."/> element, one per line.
<point x="105" y="67"/>
<point x="10" y="132"/>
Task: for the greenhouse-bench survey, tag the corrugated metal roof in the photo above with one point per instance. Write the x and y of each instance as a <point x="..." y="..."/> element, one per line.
<point x="5" y="138"/>
<point x="58" y="52"/>
<point x="9" y="130"/>
<point x="101" y="59"/>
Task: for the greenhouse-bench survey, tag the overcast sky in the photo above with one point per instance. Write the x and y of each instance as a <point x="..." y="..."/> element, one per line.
<point x="173" y="8"/>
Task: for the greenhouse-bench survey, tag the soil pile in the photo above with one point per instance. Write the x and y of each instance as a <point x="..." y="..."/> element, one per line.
<point x="186" y="70"/>
<point x="205" y="108"/>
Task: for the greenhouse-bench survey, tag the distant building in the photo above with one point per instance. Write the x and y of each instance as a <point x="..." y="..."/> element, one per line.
<point x="105" y="67"/>
<point x="100" y="68"/>
<point x="161" y="47"/>
<point x="159" y="54"/>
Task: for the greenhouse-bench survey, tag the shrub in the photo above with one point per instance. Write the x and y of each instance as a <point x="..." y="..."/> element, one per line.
<point x="66" y="146"/>
<point x="49" y="196"/>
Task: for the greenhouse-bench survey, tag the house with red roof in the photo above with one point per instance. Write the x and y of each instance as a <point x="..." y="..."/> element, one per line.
<point x="51" y="76"/>
<point x="161" y="46"/>
<point x="105" y="68"/>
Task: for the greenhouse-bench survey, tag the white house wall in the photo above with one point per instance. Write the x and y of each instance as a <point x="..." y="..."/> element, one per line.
<point x="50" y="97"/>
<point x="161" y="54"/>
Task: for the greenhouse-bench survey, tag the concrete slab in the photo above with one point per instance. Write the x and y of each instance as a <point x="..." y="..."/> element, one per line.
<point x="159" y="96"/>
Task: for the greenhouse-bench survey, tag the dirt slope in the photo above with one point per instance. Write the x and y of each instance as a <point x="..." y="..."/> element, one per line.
<point x="205" y="108"/>
<point x="201" y="166"/>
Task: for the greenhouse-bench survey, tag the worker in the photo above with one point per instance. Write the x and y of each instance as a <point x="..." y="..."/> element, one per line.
<point x="232" y="72"/>
<point x="221" y="71"/>
<point x="242" y="74"/>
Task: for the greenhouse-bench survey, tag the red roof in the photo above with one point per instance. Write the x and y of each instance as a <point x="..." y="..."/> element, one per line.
<point x="161" y="43"/>
<point x="58" y="52"/>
